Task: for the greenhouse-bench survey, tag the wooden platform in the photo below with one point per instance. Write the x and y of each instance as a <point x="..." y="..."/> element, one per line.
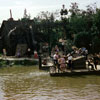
<point x="78" y="62"/>
<point x="19" y="61"/>
<point x="75" y="72"/>
<point x="10" y="58"/>
<point x="80" y="68"/>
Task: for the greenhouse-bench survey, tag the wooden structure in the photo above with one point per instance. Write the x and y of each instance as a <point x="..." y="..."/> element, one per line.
<point x="79" y="62"/>
<point x="47" y="65"/>
<point x="75" y="72"/>
<point x="14" y="33"/>
<point x="79" y="68"/>
<point x="10" y="61"/>
<point x="22" y="48"/>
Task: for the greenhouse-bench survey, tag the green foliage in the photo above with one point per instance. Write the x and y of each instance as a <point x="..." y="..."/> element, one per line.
<point x="78" y="24"/>
<point x="82" y="27"/>
<point x="82" y="39"/>
<point x="69" y="45"/>
<point x="74" y="10"/>
<point x="2" y="63"/>
<point x="96" y="44"/>
<point x="0" y="54"/>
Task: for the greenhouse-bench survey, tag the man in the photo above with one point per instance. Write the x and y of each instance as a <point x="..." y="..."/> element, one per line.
<point x="70" y="58"/>
<point x="55" y="58"/>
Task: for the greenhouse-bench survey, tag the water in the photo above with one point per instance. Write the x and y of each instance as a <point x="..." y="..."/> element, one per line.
<point x="28" y="83"/>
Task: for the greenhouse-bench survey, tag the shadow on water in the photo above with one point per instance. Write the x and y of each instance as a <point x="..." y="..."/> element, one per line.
<point x="76" y="76"/>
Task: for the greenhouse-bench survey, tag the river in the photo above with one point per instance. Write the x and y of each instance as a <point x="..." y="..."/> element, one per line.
<point x="29" y="83"/>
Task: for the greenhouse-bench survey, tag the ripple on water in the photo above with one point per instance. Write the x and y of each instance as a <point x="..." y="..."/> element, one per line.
<point x="39" y="73"/>
<point x="38" y="85"/>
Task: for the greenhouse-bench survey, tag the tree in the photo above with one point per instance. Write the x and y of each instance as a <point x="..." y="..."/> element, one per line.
<point x="96" y="44"/>
<point x="82" y="39"/>
<point x="74" y="10"/>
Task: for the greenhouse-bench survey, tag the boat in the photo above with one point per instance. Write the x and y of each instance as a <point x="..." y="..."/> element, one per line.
<point x="75" y="72"/>
<point x="45" y="63"/>
<point x="80" y="68"/>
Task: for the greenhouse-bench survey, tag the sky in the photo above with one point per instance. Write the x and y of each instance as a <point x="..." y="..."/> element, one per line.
<point x="34" y="7"/>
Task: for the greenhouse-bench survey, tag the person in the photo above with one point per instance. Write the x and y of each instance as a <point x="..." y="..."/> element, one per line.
<point x="4" y="53"/>
<point x="83" y="50"/>
<point x="18" y="54"/>
<point x="70" y="58"/>
<point x="90" y="64"/>
<point x="56" y="49"/>
<point x="95" y="60"/>
<point x="55" y="58"/>
<point x="62" y="64"/>
<point x="86" y="54"/>
<point x="44" y="62"/>
<point x="63" y="46"/>
<point x="35" y="54"/>
<point x="59" y="62"/>
<point x="29" y="52"/>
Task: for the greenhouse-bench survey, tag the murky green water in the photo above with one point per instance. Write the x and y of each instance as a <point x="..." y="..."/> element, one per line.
<point x="28" y="83"/>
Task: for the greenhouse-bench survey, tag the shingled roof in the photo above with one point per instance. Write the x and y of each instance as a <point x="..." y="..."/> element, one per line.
<point x="9" y="25"/>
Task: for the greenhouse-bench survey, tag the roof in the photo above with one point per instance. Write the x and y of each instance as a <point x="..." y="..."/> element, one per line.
<point x="9" y="25"/>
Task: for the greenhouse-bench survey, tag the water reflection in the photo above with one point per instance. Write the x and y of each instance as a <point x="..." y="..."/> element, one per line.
<point x="29" y="83"/>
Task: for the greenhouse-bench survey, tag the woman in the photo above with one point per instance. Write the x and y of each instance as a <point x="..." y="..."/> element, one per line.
<point x="62" y="64"/>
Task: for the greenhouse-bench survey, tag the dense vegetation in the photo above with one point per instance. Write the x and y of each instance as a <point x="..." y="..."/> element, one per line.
<point x="80" y="27"/>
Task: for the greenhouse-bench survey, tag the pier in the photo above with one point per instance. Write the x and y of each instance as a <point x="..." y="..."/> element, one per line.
<point x="18" y="61"/>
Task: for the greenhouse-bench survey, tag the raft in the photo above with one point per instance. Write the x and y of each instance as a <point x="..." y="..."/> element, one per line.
<point x="75" y="72"/>
<point x="79" y="68"/>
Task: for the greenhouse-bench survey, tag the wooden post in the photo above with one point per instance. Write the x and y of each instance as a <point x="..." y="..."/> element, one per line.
<point x="10" y="14"/>
<point x="40" y="62"/>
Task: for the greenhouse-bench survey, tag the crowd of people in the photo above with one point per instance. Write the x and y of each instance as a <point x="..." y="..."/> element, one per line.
<point x="63" y="62"/>
<point x="93" y="61"/>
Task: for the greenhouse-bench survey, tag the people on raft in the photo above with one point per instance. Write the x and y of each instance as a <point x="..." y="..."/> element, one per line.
<point x="59" y="62"/>
<point x="95" y="61"/>
<point x="70" y="61"/>
<point x="62" y="63"/>
<point x="90" y="64"/>
<point x="55" y="58"/>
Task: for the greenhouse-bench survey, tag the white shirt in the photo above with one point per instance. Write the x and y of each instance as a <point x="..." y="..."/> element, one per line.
<point x="70" y="58"/>
<point x="55" y="56"/>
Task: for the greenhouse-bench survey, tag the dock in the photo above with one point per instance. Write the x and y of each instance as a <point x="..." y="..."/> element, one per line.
<point x="10" y="60"/>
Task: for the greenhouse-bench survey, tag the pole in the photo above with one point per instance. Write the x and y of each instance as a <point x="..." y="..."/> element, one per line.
<point x="40" y="64"/>
<point x="10" y="14"/>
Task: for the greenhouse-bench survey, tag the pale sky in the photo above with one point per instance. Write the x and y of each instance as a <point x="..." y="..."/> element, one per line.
<point x="36" y="6"/>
